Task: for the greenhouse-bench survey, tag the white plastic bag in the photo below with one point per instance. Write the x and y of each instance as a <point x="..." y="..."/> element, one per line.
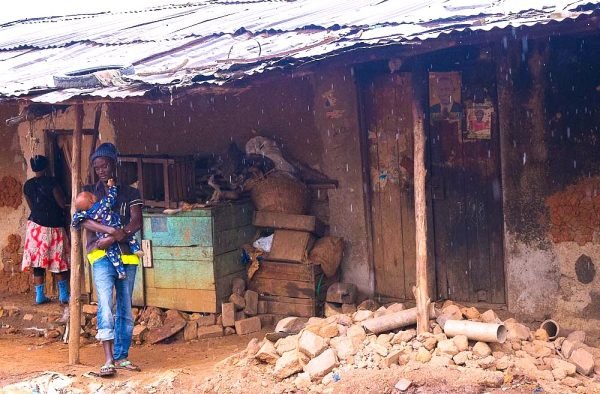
<point x="264" y="243"/>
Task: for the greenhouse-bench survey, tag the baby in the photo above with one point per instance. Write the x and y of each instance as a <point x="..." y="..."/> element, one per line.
<point x="88" y="207"/>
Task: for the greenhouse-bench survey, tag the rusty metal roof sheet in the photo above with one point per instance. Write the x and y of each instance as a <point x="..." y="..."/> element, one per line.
<point x="184" y="43"/>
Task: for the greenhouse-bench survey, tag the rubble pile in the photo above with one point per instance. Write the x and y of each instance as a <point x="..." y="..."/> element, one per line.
<point x="310" y="354"/>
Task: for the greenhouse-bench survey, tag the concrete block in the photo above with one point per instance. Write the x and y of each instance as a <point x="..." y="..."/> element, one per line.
<point x="247" y="326"/>
<point x="228" y="314"/>
<point x="209" y="332"/>
<point x="251" y="298"/>
<point x="238" y="300"/>
<point x="262" y="307"/>
<point x="311" y="344"/>
<point x="208" y="320"/>
<point x="341" y="293"/>
<point x="190" y="331"/>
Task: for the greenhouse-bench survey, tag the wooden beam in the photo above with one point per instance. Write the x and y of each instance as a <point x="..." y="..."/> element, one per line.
<point x="421" y="289"/>
<point x="76" y="251"/>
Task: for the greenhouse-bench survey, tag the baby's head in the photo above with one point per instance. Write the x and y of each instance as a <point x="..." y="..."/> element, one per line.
<point x="84" y="201"/>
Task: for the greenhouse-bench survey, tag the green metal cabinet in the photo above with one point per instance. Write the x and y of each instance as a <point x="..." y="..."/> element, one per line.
<point x="195" y="256"/>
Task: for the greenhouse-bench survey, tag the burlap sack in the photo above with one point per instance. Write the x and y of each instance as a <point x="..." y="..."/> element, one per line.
<point x="328" y="253"/>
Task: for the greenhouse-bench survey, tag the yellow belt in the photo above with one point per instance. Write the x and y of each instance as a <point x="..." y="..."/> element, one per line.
<point x="97" y="254"/>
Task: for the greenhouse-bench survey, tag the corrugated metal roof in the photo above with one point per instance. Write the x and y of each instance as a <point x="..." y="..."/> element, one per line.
<point x="179" y="44"/>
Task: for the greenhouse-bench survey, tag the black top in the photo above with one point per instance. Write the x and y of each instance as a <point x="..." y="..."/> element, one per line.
<point x="127" y="197"/>
<point x="44" y="208"/>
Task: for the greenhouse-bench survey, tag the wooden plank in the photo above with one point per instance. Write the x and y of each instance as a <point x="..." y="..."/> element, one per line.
<point x="287" y="271"/>
<point x="182" y="252"/>
<point x="285" y="221"/>
<point x="138" y="297"/>
<point x="291" y="309"/>
<point x="287" y="288"/>
<point x="233" y="239"/>
<point x="147" y="249"/>
<point x="182" y="299"/>
<point x="290" y="245"/>
<point x="149" y="277"/>
<point x="181" y="274"/>
<point x="234" y="215"/>
<point x="228" y="263"/>
<point x="165" y="230"/>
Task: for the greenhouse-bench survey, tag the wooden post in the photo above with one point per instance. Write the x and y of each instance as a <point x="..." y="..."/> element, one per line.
<point x="76" y="265"/>
<point x="421" y="290"/>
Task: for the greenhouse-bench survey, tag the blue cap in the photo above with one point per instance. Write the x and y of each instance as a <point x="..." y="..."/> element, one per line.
<point x="105" y="150"/>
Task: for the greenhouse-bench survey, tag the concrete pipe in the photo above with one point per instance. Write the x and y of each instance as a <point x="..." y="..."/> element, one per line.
<point x="476" y="331"/>
<point x="394" y="320"/>
<point x="551" y="327"/>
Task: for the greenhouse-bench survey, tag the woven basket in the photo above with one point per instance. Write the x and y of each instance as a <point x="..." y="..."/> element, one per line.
<point x="279" y="192"/>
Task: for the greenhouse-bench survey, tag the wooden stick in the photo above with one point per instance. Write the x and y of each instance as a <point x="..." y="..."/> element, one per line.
<point x="75" y="301"/>
<point x="421" y="289"/>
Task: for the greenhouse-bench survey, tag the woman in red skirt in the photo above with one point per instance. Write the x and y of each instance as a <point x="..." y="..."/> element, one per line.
<point x="46" y="242"/>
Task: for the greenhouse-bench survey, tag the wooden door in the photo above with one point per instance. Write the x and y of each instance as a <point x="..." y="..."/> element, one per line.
<point x="388" y="120"/>
<point x="466" y="192"/>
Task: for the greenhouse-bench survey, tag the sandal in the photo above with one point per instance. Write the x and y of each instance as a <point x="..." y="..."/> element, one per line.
<point x="107" y="370"/>
<point x="128" y="365"/>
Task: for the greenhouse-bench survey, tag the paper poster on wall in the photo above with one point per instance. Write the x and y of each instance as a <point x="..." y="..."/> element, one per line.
<point x="445" y="97"/>
<point x="479" y="120"/>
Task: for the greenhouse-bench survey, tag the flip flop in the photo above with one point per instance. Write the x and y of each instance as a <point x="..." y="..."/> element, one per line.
<point x="107" y="370"/>
<point x="128" y="365"/>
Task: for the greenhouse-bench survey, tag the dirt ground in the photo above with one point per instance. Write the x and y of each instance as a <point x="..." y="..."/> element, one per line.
<point x="32" y="363"/>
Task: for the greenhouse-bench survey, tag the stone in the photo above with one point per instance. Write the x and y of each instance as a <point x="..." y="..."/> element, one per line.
<point x="342" y="330"/>
<point x="537" y="349"/>
<point x="28" y="317"/>
<point x="541" y="335"/>
<point x="344" y="320"/>
<point x="471" y="313"/>
<point x="583" y="360"/>
<point x="173" y="324"/>
<point x="391" y="359"/>
<point x="461" y="342"/>
<point x="490" y="316"/>
<point x="343" y="346"/>
<point x="503" y="363"/>
<point x="238" y="301"/>
<point x="440" y="361"/>
<point x="369" y="305"/>
<point x="267" y="353"/>
<point x="570" y="382"/>
<point x="568" y="347"/>
<point x="517" y="331"/>
<point x="404" y="336"/>
<point x="481" y="350"/>
<point x="395" y="307"/>
<point x="341" y="293"/>
<point x="253" y="347"/>
<point x="379" y="349"/>
<point x="403" y="384"/>
<point x="311" y="344"/>
<point x="248" y="326"/>
<point x="287" y="365"/>
<point x="139" y="332"/>
<point x="321" y="365"/>
<point x="356" y="333"/>
<point x="348" y="309"/>
<point x="429" y="343"/>
<point x="228" y="314"/>
<point x="238" y="286"/>
<point x="251" y="298"/>
<point x="451" y="312"/>
<point x="486" y="362"/>
<point x="447" y="347"/>
<point x="89" y="309"/>
<point x="262" y="307"/>
<point x="204" y="332"/>
<point x="190" y="331"/>
<point x="286" y="344"/>
<point x="577" y="337"/>
<point x="423" y="355"/>
<point x="329" y="330"/>
<point x="384" y="340"/>
<point x="208" y="320"/>
<point x="290" y="324"/>
<point x="229" y="331"/>
<point x="462" y="357"/>
<point x="53" y="334"/>
<point x="362" y="315"/>
<point x="330" y="309"/>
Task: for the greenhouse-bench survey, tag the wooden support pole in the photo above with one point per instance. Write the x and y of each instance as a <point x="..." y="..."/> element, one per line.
<point x="76" y="264"/>
<point x="421" y="290"/>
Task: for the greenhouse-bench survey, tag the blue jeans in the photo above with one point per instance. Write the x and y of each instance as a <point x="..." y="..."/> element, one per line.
<point x="117" y="327"/>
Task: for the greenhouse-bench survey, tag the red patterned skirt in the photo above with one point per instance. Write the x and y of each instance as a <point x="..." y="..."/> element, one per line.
<point x="46" y="247"/>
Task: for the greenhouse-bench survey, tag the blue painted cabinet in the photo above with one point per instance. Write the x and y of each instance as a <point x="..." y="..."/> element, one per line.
<point x="195" y="256"/>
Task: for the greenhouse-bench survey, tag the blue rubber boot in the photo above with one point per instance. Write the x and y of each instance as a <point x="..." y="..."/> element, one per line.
<point x="63" y="291"/>
<point x="40" y="297"/>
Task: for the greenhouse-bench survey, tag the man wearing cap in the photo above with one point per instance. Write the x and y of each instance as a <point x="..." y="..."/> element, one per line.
<point x="114" y="331"/>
